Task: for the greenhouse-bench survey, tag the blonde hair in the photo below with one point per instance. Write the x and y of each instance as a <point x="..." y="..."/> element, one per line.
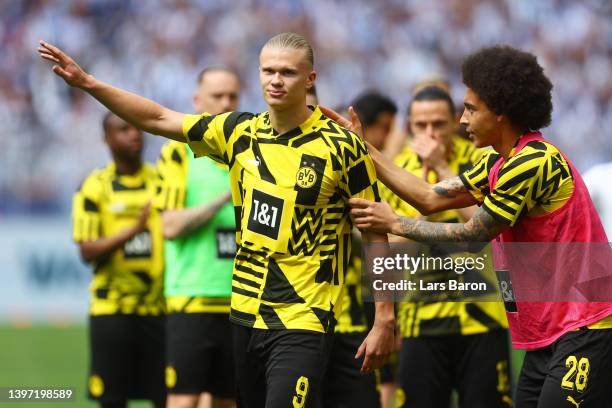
<point x="293" y="41"/>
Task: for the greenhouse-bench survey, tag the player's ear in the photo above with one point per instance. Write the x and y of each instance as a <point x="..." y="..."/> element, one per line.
<point x="312" y="76"/>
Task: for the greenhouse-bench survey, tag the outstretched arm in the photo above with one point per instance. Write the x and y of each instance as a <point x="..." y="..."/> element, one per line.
<point x="425" y="197"/>
<point x="379" y="217"/>
<point x="141" y="112"/>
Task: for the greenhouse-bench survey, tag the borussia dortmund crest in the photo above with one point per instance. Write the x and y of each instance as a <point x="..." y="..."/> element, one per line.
<point x="306" y="177"/>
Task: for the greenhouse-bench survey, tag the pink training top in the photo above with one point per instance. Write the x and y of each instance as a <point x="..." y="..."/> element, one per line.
<point x="537" y="324"/>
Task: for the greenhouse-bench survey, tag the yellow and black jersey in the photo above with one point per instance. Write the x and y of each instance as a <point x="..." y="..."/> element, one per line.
<point x="290" y="193"/>
<point x="172" y="167"/>
<point x="535" y="181"/>
<point x="426" y="318"/>
<point x="130" y="281"/>
<point x="197" y="266"/>
<point x="353" y="318"/>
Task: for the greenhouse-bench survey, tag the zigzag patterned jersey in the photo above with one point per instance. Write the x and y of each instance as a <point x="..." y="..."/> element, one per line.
<point x="290" y="194"/>
<point x="535" y="181"/>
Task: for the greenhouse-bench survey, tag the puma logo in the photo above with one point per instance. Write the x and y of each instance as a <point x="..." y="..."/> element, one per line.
<point x="573" y="401"/>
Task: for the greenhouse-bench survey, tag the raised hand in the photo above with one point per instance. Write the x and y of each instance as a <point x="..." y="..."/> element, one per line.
<point x="65" y="67"/>
<point x="354" y="125"/>
<point x="431" y="150"/>
<point x="140" y="112"/>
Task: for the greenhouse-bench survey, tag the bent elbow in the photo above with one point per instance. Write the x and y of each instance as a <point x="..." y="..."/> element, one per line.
<point x="169" y="228"/>
<point x="170" y="232"/>
<point x="428" y="208"/>
<point x="170" y="235"/>
<point x="427" y="211"/>
<point x="431" y="204"/>
<point x="87" y="256"/>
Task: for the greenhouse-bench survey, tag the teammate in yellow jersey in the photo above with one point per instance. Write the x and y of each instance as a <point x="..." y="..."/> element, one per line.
<point x="344" y="385"/>
<point x="199" y="227"/>
<point x="292" y="172"/>
<point x="120" y="235"/>
<point x="455" y="344"/>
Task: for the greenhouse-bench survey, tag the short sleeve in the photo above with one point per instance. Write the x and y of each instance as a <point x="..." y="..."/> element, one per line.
<point x="86" y="205"/>
<point x="477" y="154"/>
<point x="213" y="135"/>
<point x="516" y="189"/>
<point x="172" y="168"/>
<point x="476" y="179"/>
<point x="358" y="172"/>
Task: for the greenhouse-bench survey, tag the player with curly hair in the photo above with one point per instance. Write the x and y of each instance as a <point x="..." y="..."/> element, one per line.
<point x="528" y="191"/>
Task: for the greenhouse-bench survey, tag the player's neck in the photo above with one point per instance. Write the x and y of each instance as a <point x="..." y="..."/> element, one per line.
<point x="287" y="118"/>
<point x="509" y="138"/>
<point x="127" y="167"/>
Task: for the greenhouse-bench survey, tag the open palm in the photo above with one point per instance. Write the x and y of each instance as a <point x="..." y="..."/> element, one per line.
<point x="65" y="67"/>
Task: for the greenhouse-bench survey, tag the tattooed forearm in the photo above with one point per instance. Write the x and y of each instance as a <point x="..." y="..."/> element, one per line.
<point x="481" y="228"/>
<point x="449" y="188"/>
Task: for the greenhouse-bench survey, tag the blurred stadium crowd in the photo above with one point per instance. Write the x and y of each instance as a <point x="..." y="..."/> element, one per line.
<point x="156" y="48"/>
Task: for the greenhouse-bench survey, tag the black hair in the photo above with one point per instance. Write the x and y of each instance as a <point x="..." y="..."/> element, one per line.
<point x="433" y="93"/>
<point x="511" y="83"/>
<point x="370" y="104"/>
<point x="106" y="121"/>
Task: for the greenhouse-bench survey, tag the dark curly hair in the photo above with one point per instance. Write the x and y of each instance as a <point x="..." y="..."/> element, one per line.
<point x="511" y="83"/>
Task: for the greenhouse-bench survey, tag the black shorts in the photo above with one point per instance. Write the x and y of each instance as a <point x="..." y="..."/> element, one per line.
<point x="126" y="358"/>
<point x="199" y="354"/>
<point x="344" y="386"/>
<point x="574" y="371"/>
<point x="279" y="368"/>
<point x="388" y="372"/>
<point x="476" y="366"/>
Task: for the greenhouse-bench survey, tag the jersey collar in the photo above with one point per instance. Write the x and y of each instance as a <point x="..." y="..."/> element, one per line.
<point x="523" y="140"/>
<point x="113" y="169"/>
<point x="305" y="127"/>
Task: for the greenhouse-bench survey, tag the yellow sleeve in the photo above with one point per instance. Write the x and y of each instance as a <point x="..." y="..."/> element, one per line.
<point x="476" y="180"/>
<point x="477" y="154"/>
<point x="213" y="136"/>
<point x="539" y="179"/>
<point x="514" y="193"/>
<point x="358" y="172"/>
<point x="172" y="168"/>
<point x="86" y="203"/>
